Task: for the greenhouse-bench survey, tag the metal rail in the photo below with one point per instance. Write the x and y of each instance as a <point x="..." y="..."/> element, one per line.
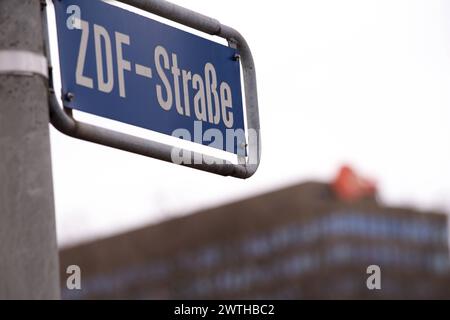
<point x="62" y="119"/>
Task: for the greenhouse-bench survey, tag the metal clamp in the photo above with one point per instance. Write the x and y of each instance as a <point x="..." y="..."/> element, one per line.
<point x="64" y="122"/>
<point x="20" y="62"/>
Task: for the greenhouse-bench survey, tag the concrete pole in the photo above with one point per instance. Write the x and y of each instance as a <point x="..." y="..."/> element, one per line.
<point x="28" y="249"/>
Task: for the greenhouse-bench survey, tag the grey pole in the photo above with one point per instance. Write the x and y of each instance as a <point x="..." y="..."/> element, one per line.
<point x="28" y="249"/>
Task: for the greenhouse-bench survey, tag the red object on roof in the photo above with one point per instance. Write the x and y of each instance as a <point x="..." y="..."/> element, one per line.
<point x="349" y="186"/>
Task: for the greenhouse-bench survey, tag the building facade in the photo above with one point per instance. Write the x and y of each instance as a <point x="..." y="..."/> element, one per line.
<point x="296" y="243"/>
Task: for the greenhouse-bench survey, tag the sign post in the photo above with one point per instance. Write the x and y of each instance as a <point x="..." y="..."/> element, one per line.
<point x="112" y="67"/>
<point x="28" y="250"/>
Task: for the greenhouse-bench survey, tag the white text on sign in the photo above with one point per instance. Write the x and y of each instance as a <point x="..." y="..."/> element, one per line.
<point x="182" y="90"/>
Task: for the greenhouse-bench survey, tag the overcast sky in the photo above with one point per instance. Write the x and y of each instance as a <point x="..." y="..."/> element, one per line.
<point x="358" y="82"/>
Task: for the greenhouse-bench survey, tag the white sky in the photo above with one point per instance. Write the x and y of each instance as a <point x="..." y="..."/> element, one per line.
<point x="359" y="82"/>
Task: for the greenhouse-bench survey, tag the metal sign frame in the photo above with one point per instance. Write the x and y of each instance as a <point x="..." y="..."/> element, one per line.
<point x="62" y="119"/>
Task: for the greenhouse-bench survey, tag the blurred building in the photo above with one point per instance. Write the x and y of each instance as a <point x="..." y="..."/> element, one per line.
<point x="302" y="242"/>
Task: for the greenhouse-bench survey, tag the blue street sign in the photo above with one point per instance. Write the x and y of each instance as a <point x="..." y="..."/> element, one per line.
<point x="123" y="66"/>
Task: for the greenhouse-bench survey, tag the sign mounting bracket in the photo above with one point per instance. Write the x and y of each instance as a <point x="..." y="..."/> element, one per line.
<point x="64" y="122"/>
